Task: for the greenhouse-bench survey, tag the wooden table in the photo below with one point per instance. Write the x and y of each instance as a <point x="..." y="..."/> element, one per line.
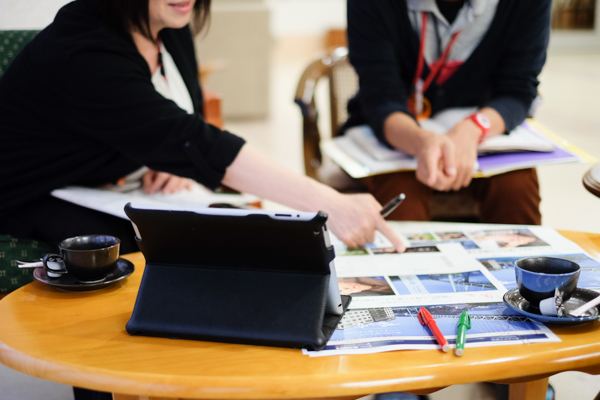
<point x="79" y="339"/>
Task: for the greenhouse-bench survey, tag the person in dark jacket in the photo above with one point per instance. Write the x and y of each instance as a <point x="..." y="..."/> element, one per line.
<point x="110" y="87"/>
<point x="418" y="58"/>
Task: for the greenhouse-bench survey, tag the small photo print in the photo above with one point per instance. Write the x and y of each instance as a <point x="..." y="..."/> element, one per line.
<point x="469" y="245"/>
<point x="458" y="236"/>
<point x="472" y="281"/>
<point x="507" y="238"/>
<point x="365" y="286"/>
<point x="420" y="237"/>
<point x="384" y="250"/>
<point x="351" y="252"/>
<point x="422" y="249"/>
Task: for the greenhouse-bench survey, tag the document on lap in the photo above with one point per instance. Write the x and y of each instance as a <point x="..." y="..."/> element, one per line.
<point x="361" y="154"/>
<point x="112" y="202"/>
<point x="447" y="268"/>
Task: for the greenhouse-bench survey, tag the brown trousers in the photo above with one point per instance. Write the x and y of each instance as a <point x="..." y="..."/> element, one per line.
<point x="509" y="198"/>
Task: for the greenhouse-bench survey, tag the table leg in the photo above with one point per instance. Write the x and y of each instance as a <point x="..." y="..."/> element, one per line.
<point x="533" y="390"/>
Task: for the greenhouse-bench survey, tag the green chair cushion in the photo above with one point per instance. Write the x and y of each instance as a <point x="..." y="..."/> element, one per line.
<point x="12" y="249"/>
<point x="11" y="43"/>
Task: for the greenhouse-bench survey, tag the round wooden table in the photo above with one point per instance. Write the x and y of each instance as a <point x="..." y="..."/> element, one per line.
<point x="79" y="339"/>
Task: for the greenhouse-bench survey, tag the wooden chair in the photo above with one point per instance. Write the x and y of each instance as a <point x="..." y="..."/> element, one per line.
<point x="342" y="83"/>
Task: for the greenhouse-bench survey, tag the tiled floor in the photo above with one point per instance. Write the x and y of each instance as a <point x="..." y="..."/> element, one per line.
<point x="571" y="90"/>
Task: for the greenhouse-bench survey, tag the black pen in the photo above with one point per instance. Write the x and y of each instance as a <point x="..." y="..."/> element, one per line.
<point x="392" y="204"/>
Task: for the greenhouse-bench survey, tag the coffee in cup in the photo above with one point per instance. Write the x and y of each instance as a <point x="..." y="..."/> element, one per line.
<point x="539" y="277"/>
<point x="89" y="258"/>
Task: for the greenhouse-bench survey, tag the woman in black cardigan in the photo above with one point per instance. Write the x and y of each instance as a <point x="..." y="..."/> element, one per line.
<point x="80" y="106"/>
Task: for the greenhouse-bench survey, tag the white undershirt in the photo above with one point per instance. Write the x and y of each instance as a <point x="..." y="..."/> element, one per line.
<point x="173" y="87"/>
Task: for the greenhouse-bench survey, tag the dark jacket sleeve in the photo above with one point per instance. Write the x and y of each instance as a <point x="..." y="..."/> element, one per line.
<point x="372" y="54"/>
<point x="514" y="80"/>
<point x="110" y="98"/>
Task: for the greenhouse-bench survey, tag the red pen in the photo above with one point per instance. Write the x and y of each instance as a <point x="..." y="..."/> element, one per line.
<point x="425" y="318"/>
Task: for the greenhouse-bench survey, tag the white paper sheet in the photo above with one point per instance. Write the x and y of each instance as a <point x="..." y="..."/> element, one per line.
<point x="112" y="202"/>
<point x="448" y="268"/>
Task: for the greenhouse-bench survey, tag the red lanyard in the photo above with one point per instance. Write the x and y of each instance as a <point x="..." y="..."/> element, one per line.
<point x="436" y="66"/>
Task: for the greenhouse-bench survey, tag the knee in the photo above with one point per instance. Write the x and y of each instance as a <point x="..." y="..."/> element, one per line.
<point x="515" y="185"/>
<point x="511" y="198"/>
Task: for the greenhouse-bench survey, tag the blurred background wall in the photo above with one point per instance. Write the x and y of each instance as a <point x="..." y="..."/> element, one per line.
<point x="236" y="50"/>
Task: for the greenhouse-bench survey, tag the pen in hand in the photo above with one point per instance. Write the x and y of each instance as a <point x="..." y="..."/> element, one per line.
<point x="392" y="205"/>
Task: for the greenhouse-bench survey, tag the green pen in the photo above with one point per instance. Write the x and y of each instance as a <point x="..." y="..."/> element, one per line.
<point x="463" y="325"/>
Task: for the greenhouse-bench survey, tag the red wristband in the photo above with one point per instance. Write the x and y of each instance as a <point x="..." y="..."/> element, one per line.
<point x="483" y="123"/>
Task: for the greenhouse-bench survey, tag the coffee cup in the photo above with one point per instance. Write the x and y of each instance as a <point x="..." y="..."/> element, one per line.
<point x="88" y="258"/>
<point x="539" y="277"/>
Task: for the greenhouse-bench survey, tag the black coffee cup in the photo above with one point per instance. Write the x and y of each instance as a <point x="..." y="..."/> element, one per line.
<point x="89" y="258"/>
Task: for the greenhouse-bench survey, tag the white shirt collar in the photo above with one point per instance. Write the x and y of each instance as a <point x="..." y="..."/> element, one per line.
<point x="466" y="15"/>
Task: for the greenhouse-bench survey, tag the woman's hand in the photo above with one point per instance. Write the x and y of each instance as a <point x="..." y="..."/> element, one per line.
<point x="354" y="218"/>
<point x="154" y="181"/>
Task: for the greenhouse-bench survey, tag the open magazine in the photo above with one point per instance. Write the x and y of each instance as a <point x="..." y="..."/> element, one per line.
<point x="519" y="139"/>
<point x="447" y="268"/>
<point x="361" y="154"/>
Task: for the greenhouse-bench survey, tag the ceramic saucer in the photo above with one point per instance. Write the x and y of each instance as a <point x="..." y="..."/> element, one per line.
<point x="122" y="270"/>
<point x="580" y="296"/>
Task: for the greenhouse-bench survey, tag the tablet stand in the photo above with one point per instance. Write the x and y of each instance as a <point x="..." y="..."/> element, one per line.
<point x="251" y="279"/>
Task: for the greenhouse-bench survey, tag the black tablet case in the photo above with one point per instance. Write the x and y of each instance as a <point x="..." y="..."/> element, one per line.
<point x="251" y="279"/>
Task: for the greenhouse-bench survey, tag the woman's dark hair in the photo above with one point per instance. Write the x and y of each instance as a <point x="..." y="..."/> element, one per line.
<point x="127" y="15"/>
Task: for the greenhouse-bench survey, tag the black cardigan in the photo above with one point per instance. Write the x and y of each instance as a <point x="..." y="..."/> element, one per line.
<point x="501" y="73"/>
<point x="77" y="106"/>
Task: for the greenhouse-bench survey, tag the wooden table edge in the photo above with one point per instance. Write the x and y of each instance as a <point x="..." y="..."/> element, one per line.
<point x="128" y="385"/>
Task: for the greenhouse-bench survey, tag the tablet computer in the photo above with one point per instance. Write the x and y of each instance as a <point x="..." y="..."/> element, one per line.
<point x="231" y="270"/>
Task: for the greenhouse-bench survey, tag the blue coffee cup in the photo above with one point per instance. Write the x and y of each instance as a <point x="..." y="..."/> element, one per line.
<point x="539" y="277"/>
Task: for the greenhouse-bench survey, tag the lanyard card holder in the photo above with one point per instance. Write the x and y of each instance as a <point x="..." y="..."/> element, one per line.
<point x="236" y="276"/>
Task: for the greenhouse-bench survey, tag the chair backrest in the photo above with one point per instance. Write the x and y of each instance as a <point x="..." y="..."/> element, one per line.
<point x="11" y="43"/>
<point x="342" y="84"/>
